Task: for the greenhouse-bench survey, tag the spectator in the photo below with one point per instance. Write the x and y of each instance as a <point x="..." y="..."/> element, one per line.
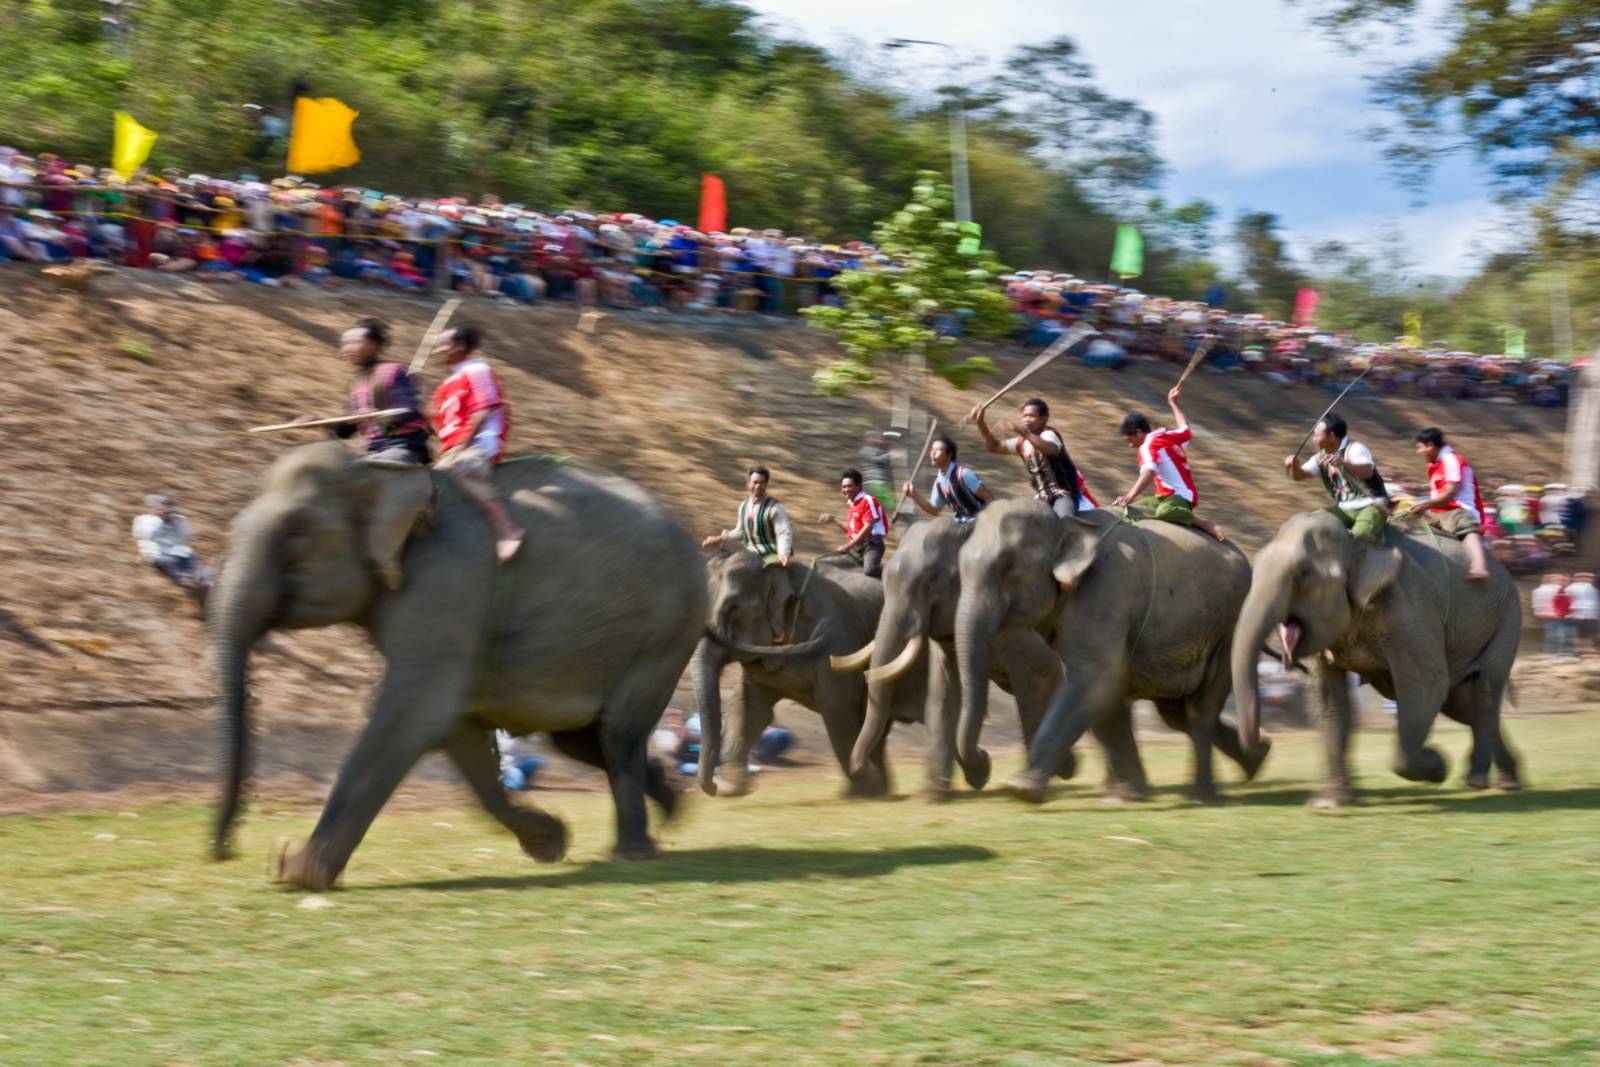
<point x="163" y="536"/>
<point x="877" y="466"/>
<point x="517" y="772"/>
<point x="1553" y="607"/>
<point x="1585" y="610"/>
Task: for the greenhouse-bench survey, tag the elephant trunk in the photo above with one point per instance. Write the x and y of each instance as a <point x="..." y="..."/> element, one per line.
<point x="709" y="659"/>
<point x="1264" y="609"/>
<point x="975" y="630"/>
<point x="242" y="608"/>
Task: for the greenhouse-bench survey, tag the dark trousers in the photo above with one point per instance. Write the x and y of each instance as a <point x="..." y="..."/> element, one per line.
<point x="872" y="559"/>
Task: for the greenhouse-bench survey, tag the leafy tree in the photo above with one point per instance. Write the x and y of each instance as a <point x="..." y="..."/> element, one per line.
<point x="945" y="277"/>
<point x="1267" y="267"/>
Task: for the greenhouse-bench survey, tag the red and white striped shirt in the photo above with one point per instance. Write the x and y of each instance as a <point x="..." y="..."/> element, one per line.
<point x="1163" y="455"/>
<point x="1452" y="466"/>
<point x="865" y="511"/>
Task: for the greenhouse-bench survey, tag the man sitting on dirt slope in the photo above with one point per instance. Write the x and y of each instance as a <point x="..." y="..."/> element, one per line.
<point x="382" y="384"/>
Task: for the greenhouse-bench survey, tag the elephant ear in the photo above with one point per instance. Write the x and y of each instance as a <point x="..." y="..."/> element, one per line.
<point x="1375" y="570"/>
<point x="1075" y="552"/>
<point x="400" y="499"/>
<point x="780" y="601"/>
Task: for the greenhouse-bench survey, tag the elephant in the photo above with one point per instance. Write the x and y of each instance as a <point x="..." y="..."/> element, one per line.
<point x="750" y="602"/>
<point x="584" y="634"/>
<point x="1134" y="609"/>
<point x="1401" y="615"/>
<point x="916" y="633"/>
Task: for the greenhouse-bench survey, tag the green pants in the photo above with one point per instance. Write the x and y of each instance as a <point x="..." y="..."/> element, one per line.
<point x="883" y="492"/>
<point x="1173" y="509"/>
<point x="1366" y="524"/>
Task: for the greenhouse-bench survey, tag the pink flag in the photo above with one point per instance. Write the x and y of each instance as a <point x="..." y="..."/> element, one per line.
<point x="1305" y="307"/>
<point x="713" y="204"/>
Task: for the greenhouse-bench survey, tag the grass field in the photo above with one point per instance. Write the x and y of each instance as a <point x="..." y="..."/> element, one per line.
<point x="1426" y="926"/>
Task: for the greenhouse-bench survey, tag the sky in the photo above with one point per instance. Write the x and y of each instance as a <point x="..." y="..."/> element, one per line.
<point x="1256" y="108"/>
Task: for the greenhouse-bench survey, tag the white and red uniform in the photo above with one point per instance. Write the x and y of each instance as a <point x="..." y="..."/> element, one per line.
<point x="1452" y="466"/>
<point x="1163" y="455"/>
<point x="470" y="388"/>
<point x="865" y="511"/>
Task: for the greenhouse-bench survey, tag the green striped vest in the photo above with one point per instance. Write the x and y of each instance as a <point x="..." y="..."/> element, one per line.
<point x="755" y="524"/>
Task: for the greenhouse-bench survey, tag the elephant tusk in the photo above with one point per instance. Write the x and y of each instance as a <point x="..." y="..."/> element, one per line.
<point x="855" y="661"/>
<point x="899" y="665"/>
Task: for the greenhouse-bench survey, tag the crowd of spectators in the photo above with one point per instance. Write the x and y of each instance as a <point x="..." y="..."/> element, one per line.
<point x="290" y="231"/>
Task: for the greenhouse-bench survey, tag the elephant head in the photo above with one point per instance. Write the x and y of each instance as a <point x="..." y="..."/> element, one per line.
<point x="921" y="583"/>
<point x="301" y="555"/>
<point x="1308" y="583"/>
<point x="752" y="607"/>
<point x="1006" y="581"/>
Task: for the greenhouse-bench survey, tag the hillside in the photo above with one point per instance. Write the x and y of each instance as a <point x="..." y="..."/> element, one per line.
<point x="149" y="382"/>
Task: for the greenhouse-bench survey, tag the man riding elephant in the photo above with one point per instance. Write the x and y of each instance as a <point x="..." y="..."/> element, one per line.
<point x="1350" y="475"/>
<point x="762" y="523"/>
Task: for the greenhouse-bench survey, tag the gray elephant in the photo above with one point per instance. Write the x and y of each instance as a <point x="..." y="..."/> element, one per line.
<point x="585" y="635"/>
<point x="754" y="607"/>
<point x="1403" y="617"/>
<point x="914" y="648"/>
<point x="1134" y="609"/>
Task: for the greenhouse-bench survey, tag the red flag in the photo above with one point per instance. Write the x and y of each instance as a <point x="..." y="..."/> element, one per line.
<point x="1305" y="307"/>
<point x="713" y="204"/>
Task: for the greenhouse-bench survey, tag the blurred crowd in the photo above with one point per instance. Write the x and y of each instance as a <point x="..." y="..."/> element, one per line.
<point x="1528" y="526"/>
<point x="290" y="231"/>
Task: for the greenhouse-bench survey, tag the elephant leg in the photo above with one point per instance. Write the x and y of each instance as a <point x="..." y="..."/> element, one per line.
<point x="628" y="715"/>
<point x="1185" y="715"/>
<point x="1087" y="697"/>
<point x="1419" y="693"/>
<point x="1033" y="671"/>
<point x="413" y="715"/>
<point x="943" y="711"/>
<point x="744" y="725"/>
<point x="843" y="718"/>
<point x="1226" y="737"/>
<point x="1335" y="720"/>
<point x="1125" y="778"/>
<point x="1476" y="703"/>
<point x="472" y="749"/>
<point x="584" y="746"/>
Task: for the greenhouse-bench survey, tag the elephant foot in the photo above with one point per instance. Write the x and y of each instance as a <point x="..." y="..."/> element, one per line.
<point x="1478" y="780"/>
<point x="1331" y="798"/>
<point x="936" y="792"/>
<point x="1206" y="795"/>
<point x="544" y="839"/>
<point x="1251" y="761"/>
<point x="1067" y="766"/>
<point x="639" y="850"/>
<point x="1120" y="792"/>
<point x="730" y="787"/>
<point x="1509" y="783"/>
<point x="667" y="798"/>
<point x="1028" y="786"/>
<point x="866" y="787"/>
<point x="304" y="870"/>
<point x="1426" y="766"/>
<point x="977" y="772"/>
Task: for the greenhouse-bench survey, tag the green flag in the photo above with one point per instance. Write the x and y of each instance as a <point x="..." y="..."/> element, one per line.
<point x="1516" y="341"/>
<point x="1127" y="259"/>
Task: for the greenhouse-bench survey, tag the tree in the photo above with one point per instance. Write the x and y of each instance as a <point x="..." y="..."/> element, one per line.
<point x="943" y="278"/>
<point x="1267" y="266"/>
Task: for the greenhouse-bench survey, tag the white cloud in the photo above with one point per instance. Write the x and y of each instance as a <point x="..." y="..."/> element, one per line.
<point x="1441" y="239"/>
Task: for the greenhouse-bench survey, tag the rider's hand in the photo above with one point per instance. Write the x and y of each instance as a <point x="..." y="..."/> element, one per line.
<point x="824" y="519"/>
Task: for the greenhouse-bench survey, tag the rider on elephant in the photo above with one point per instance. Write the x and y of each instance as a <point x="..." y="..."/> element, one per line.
<point x="865" y="526"/>
<point x="1454" y="506"/>
<point x="470" y="412"/>
<point x="955" y="486"/>
<point x="382" y="384"/>
<point x="1350" y="475"/>
<point x="763" y="524"/>
<point x="1056" y="479"/>
<point x="1163" y="461"/>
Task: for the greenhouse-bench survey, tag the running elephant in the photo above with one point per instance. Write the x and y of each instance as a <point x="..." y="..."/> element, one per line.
<point x="584" y="635"/>
<point x="1403" y="617"/>
<point x="914" y="648"/>
<point x="754" y="609"/>
<point x="1134" y="609"/>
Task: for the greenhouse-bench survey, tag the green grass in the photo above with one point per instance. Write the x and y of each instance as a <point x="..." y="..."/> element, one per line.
<point x="1427" y="926"/>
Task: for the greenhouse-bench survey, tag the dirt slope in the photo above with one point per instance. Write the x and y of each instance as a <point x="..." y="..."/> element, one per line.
<point x="147" y="384"/>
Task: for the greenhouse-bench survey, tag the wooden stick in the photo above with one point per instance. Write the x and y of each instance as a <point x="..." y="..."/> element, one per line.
<point x="1196" y="359"/>
<point x="337" y="420"/>
<point x="1060" y="345"/>
<point x="435" y="328"/>
<point x="933" y="429"/>
<point x="1333" y="405"/>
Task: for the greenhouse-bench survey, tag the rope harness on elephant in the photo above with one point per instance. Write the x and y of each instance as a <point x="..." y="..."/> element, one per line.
<point x="799" y="597"/>
<point x="1150" y="604"/>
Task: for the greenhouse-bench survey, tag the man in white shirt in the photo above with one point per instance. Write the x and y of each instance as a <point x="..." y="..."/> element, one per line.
<point x="1585" y="611"/>
<point x="1350" y="475"/>
<point x="163" y="539"/>
<point x="763" y="524"/>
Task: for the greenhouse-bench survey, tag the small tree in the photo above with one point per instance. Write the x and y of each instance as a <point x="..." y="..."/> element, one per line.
<point x="938" y="275"/>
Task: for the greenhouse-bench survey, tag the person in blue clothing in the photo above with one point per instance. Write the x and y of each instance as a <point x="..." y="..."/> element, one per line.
<point x="954" y="486"/>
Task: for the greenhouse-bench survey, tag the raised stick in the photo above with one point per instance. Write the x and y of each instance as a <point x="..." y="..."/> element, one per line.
<point x="336" y="420"/>
<point x="933" y="428"/>
<point x="435" y="328"/>
<point x="1196" y="359"/>
<point x="1333" y="405"/>
<point x="1060" y="345"/>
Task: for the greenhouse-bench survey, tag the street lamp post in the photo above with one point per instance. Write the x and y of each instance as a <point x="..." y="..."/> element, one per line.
<point x="958" y="127"/>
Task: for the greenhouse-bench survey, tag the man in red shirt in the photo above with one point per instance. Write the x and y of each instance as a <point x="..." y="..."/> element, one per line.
<point x="865" y="527"/>
<point x="471" y="418"/>
<point x="1163" y="461"/>
<point x="1453" y="506"/>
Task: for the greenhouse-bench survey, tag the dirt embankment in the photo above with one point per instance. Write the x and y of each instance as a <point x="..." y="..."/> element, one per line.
<point x="148" y="383"/>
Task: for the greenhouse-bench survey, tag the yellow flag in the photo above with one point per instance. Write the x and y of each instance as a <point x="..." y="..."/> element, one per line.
<point x="131" y="146"/>
<point x="1413" y="328"/>
<point x="321" y="137"/>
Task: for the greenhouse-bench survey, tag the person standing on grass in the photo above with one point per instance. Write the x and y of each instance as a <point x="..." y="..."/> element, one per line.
<point x="762" y="524"/>
<point x="865" y="527"/>
<point x="1350" y="475"/>
<point x="472" y="419"/>
<point x="1164" y="462"/>
<point x="1585" y="608"/>
<point x="1056" y="479"/>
